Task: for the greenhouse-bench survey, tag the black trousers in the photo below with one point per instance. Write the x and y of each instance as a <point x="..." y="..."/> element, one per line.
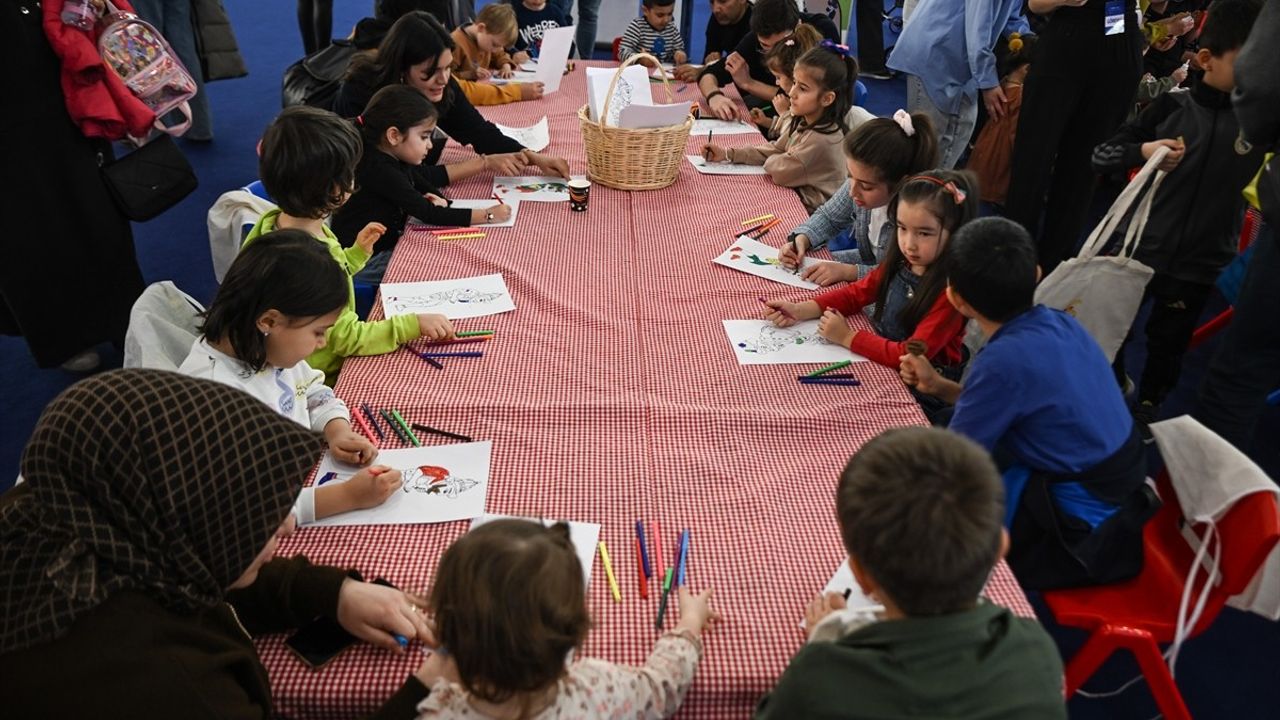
<point x="1246" y="366"/>
<point x="870" y="22"/>
<point x="1175" y="313"/>
<point x="1076" y="95"/>
<point x="315" y="22"/>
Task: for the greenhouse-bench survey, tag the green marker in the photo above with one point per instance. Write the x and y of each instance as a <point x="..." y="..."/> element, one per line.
<point x="829" y="368"/>
<point x="662" y="606"/>
<point x="473" y="333"/>
<point x="405" y="426"/>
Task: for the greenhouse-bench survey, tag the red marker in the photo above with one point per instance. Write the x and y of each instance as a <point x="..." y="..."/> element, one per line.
<point x="498" y="197"/>
<point x="644" y="585"/>
<point x="364" y="428"/>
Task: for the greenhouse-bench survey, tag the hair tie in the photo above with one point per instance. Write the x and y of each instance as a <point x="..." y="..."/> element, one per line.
<point x="903" y="118"/>
<point x="360" y="120"/>
<point x="1015" y="42"/>
<point x="841" y="50"/>
<point x="789" y="42"/>
<point x="946" y="185"/>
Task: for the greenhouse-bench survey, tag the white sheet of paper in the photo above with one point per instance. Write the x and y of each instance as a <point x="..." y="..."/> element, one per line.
<point x="584" y="537"/>
<point x="841" y="581"/>
<point x="536" y="137"/>
<point x="702" y="126"/>
<point x="665" y="69"/>
<point x="653" y="116"/>
<point x="519" y="76"/>
<point x="442" y="483"/>
<point x="700" y="164"/>
<point x="556" y="44"/>
<point x="756" y="258"/>
<point x="489" y="202"/>
<point x="632" y="89"/>
<point x="533" y="188"/>
<point x="461" y="298"/>
<point x="759" y="342"/>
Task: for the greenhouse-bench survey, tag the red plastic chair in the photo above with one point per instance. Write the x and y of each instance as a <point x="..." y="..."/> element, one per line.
<point x="617" y="43"/>
<point x="1136" y="614"/>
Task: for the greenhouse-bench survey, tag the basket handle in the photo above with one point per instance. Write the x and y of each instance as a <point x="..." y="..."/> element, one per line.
<point x="613" y="84"/>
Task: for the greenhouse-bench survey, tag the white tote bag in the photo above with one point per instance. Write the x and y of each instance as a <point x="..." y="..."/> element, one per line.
<point x="1104" y="293"/>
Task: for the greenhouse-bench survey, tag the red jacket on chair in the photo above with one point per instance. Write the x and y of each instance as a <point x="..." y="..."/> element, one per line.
<point x="97" y="99"/>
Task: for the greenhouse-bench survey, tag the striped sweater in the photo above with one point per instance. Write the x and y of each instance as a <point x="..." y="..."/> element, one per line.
<point x="641" y="37"/>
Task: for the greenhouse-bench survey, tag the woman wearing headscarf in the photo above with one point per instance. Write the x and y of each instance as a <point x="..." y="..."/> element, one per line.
<point x="135" y="559"/>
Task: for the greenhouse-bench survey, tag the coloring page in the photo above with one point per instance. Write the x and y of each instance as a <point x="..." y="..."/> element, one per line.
<point x="702" y="126"/>
<point x="700" y="164"/>
<point x="533" y="188"/>
<point x="461" y="298"/>
<point x="489" y="202"/>
<point x="759" y="342"/>
<point x="584" y="537"/>
<point x="442" y="483"/>
<point x="536" y="137"/>
<point x="756" y="258"/>
<point x="842" y="582"/>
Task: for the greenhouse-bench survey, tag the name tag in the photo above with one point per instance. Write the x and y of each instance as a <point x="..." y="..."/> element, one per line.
<point x="1113" y="20"/>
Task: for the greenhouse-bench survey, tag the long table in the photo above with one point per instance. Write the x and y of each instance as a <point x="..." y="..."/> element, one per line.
<point x="611" y="395"/>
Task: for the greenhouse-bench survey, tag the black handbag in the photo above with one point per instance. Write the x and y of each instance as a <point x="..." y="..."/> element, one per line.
<point x="314" y="79"/>
<point x="149" y="180"/>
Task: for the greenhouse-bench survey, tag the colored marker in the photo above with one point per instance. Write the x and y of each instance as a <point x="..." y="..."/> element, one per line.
<point x="706" y="152"/>
<point x="829" y="376"/>
<point x="828" y="368"/>
<point x="608" y="572"/>
<point x="368" y="412"/>
<point x="326" y="478"/>
<point x="498" y="197"/>
<point x="460" y="341"/>
<point x="684" y="557"/>
<point x="662" y="604"/>
<point x="427" y="359"/>
<point x="364" y="427"/>
<point x="464" y="236"/>
<point x="644" y="554"/>
<point x="473" y="333"/>
<point x="467" y="354"/>
<point x="644" y="582"/>
<point x="824" y="381"/>
<point x="445" y="433"/>
<point x="762" y="218"/>
<point x="391" y="423"/>
<point x="781" y="310"/>
<point x="402" y="640"/>
<point x="405" y="426"/>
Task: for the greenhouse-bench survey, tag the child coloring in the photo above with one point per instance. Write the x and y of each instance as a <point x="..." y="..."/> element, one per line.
<point x="307" y="164"/>
<point x="392" y="183"/>
<point x="509" y="603"/>
<point x="276" y="304"/>
<point x="879" y="155"/>
<point x="907" y="288"/>
<point x="478" y="55"/>
<point x="781" y="61"/>
<point x="806" y="156"/>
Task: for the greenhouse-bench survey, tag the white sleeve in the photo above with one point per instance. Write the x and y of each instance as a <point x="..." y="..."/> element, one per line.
<point x="304" y="510"/>
<point x="322" y="404"/>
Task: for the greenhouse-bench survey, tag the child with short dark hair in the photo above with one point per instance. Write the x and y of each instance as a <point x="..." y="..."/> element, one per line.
<point x="1040" y="395"/>
<point x="509" y="604"/>
<point x="307" y="162"/>
<point x="1191" y="233"/>
<point x="920" y="513"/>
<point x="654" y="33"/>
<point x="807" y="156"/>
<point x="907" y="287"/>
<point x="275" y="305"/>
<point x="392" y="183"/>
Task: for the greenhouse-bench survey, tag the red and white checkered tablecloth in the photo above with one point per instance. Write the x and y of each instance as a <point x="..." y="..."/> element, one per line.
<point x="611" y="395"/>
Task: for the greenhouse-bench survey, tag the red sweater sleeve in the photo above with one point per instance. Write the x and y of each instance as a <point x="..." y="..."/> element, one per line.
<point x="942" y="329"/>
<point x="852" y="297"/>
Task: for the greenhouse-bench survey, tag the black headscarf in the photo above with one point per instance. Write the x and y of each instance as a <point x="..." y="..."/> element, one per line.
<point x="148" y="481"/>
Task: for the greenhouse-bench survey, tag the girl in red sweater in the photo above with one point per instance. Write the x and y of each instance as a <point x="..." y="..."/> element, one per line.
<point x="907" y="287"/>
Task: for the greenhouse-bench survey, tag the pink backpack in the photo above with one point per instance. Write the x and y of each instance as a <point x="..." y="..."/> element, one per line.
<point x="140" y="55"/>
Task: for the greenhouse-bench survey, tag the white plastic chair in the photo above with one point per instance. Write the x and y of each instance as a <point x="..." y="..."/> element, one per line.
<point x="162" y="328"/>
<point x="228" y="221"/>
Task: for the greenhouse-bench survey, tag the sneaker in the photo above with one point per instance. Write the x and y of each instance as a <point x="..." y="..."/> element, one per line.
<point x="880" y="73"/>
<point x="87" y="361"/>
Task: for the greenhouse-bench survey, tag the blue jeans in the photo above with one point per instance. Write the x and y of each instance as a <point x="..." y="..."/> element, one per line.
<point x="954" y="130"/>
<point x="372" y="272"/>
<point x="588" y="19"/>
<point x="174" y="20"/>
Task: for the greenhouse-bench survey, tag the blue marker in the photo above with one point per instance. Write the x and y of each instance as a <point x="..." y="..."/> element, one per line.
<point x="404" y="641"/>
<point x="684" y="555"/>
<point x="326" y="478"/>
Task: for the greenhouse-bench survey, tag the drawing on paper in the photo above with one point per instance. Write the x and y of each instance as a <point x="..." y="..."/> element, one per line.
<point x="554" y="186"/>
<point x="622" y="95"/>
<point x="775" y="339"/>
<point x="435" y="480"/>
<point x="457" y="296"/>
<point x="752" y="258"/>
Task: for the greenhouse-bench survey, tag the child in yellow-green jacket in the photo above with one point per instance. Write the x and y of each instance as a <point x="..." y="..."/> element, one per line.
<point x="307" y="165"/>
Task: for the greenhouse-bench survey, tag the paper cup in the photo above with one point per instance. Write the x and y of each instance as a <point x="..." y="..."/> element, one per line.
<point x="579" y="194"/>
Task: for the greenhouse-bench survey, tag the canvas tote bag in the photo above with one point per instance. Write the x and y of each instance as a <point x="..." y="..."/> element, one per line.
<point x="1104" y="292"/>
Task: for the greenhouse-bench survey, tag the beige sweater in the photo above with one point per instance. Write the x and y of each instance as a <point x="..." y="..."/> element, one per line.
<point x="811" y="162"/>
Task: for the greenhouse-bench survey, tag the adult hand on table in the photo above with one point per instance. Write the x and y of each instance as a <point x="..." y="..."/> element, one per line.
<point x="549" y="164"/>
<point x="687" y="73"/>
<point x="505" y="163"/>
<point x="723" y="108"/>
<point x="829" y="273"/>
<point x="376" y="614"/>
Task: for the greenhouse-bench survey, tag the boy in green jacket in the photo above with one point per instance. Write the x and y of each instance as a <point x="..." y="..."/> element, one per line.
<point x="307" y="163"/>
<point x="920" y="513"/>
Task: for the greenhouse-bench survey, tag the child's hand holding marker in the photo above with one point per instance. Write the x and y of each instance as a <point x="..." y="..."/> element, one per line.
<point x="348" y="445"/>
<point x="834" y="327"/>
<point x="715" y="153"/>
<point x="791" y="256"/>
<point x="371" y="486"/>
<point x="821" y="606"/>
<point x="369" y="235"/>
<point x="435" y="326"/>
<point x="785" y="314"/>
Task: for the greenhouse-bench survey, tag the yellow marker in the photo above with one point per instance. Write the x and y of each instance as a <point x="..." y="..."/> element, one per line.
<point x="463" y="236"/>
<point x="608" y="571"/>
<point x="754" y="220"/>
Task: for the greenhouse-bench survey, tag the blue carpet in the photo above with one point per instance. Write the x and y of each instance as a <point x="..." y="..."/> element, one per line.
<point x="1231" y="672"/>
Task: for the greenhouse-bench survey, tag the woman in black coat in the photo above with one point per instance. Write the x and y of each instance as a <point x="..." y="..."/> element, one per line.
<point x="417" y="52"/>
<point x="69" y="275"/>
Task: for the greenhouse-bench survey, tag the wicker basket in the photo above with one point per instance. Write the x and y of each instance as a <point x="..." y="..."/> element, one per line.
<point x="646" y="159"/>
